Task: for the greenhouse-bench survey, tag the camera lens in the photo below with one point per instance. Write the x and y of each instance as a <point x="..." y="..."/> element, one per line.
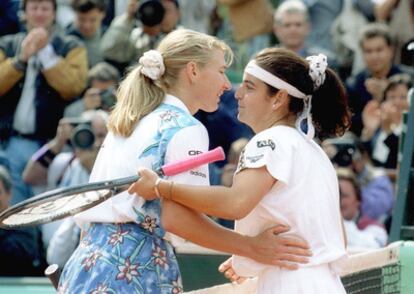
<point x="151" y="13"/>
<point x="344" y="157"/>
<point x="83" y="137"/>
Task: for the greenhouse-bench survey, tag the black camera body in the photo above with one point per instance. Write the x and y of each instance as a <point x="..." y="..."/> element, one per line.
<point x="150" y="12"/>
<point x="83" y="136"/>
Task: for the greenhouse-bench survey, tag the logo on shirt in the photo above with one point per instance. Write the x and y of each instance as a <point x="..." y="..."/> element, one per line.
<point x="194" y="152"/>
<point x="198" y="174"/>
<point x="254" y="159"/>
<point x="266" y="143"/>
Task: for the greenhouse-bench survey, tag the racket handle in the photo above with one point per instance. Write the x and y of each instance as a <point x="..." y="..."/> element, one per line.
<point x="171" y="169"/>
<point x="53" y="273"/>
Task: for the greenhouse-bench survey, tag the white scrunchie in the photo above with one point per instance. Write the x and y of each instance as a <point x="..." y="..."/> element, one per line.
<point x="152" y="64"/>
<point x="317" y="68"/>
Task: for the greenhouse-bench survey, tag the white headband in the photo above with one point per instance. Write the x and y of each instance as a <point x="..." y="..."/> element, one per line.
<point x="253" y="69"/>
<point x="317" y="67"/>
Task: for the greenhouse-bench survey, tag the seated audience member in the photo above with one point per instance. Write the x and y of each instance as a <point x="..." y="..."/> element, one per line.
<point x="103" y="80"/>
<point x="362" y="232"/>
<point x="41" y="70"/>
<point x="377" y="51"/>
<point x="87" y="26"/>
<point x="21" y="250"/>
<point x="383" y="123"/>
<point x="377" y="190"/>
<point x="291" y="27"/>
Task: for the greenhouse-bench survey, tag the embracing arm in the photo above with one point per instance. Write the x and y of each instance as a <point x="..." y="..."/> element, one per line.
<point x="268" y="247"/>
<point x="249" y="187"/>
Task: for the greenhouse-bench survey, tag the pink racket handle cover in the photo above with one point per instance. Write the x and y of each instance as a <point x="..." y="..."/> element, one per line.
<point x="171" y="169"/>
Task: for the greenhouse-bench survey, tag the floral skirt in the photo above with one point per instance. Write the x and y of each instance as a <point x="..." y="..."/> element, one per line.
<point x="121" y="258"/>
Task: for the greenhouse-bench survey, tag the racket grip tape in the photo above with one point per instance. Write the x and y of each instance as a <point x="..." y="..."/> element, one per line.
<point x="171" y="169"/>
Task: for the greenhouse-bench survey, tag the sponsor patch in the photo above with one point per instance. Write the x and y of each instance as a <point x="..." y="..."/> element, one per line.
<point x="266" y="143"/>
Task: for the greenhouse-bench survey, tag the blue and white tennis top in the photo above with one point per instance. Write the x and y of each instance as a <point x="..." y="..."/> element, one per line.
<point x="168" y="134"/>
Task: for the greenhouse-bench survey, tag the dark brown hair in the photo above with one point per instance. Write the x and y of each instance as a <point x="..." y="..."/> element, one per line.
<point x="330" y="112"/>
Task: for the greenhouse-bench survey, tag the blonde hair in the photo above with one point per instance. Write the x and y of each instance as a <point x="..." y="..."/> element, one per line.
<point x="139" y="95"/>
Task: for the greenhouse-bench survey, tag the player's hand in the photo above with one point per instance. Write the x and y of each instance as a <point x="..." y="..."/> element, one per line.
<point x="228" y="271"/>
<point x="145" y="186"/>
<point x="269" y="247"/>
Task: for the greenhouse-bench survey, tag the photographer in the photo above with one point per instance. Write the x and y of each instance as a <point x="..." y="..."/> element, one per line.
<point x="138" y="30"/>
<point x="49" y="165"/>
<point x="103" y="80"/>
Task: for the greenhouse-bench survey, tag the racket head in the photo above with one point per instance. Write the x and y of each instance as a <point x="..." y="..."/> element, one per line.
<point x="52" y="206"/>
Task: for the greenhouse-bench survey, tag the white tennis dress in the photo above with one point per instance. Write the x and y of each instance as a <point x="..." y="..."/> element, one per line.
<point x="306" y="198"/>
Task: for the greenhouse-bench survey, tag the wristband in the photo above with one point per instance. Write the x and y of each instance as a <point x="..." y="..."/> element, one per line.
<point x="44" y="156"/>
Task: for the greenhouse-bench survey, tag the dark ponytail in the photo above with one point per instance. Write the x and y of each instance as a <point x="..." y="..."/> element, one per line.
<point x="330" y="112"/>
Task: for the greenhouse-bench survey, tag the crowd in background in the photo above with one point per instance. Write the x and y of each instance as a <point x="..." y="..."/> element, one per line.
<point x="61" y="62"/>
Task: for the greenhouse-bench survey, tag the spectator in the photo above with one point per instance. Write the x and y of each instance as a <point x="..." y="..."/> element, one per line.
<point x="171" y="17"/>
<point x="41" y="71"/>
<point x="133" y="33"/>
<point x="9" y="20"/>
<point x="21" y="251"/>
<point x="377" y="190"/>
<point x="362" y="232"/>
<point x="63" y="236"/>
<point x="291" y="27"/>
<point x="383" y="121"/>
<point x="88" y="26"/>
<point x="103" y="79"/>
<point x="377" y="50"/>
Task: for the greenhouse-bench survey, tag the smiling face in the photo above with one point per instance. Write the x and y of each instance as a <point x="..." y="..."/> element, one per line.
<point x="255" y="103"/>
<point x="39" y="14"/>
<point x="212" y="82"/>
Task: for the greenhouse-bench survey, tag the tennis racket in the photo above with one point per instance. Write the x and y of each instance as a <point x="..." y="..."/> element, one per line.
<point x="62" y="202"/>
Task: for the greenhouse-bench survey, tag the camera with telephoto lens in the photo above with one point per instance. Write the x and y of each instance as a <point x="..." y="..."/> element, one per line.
<point x="83" y="136"/>
<point x="150" y="12"/>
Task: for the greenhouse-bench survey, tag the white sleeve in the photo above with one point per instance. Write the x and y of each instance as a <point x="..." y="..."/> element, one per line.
<point x="267" y="149"/>
<point x="187" y="142"/>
